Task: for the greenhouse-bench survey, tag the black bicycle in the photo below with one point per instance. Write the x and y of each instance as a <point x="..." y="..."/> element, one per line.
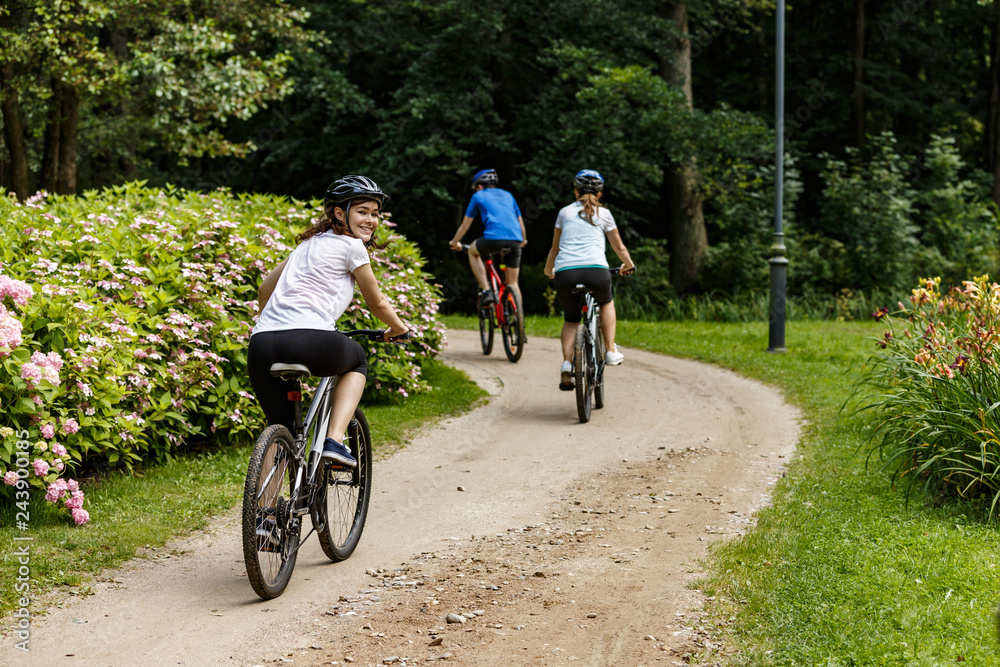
<point x="588" y="354"/>
<point x="286" y="480"/>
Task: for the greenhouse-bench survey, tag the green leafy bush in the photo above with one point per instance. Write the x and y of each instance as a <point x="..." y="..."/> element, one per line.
<point x="936" y="389"/>
<point x="134" y="308"/>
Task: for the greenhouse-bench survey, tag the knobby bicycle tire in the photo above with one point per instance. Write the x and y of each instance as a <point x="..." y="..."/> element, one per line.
<point x="599" y="350"/>
<point x="342" y="497"/>
<point x="486" y="329"/>
<point x="512" y="327"/>
<point x="582" y="373"/>
<point x="267" y="504"/>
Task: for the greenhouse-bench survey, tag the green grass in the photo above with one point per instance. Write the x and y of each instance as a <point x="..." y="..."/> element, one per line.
<point x="130" y="513"/>
<point x="840" y="570"/>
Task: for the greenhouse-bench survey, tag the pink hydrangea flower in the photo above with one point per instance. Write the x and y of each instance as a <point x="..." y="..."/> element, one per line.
<point x="41" y="467"/>
<point x="31" y="373"/>
<point x="58" y="464"/>
<point x="80" y="516"/>
<point x="72" y="485"/>
<point x="58" y="449"/>
<point x="10" y="478"/>
<point x="10" y="332"/>
<point x="48" y="431"/>
<point x="70" y="426"/>
<point x="140" y="354"/>
<point x="55" y="491"/>
<point x="75" y="500"/>
<point x="17" y="290"/>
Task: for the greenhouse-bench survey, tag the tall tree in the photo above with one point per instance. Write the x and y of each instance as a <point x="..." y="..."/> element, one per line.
<point x="185" y="69"/>
<point x="688" y="236"/>
<point x="858" y="95"/>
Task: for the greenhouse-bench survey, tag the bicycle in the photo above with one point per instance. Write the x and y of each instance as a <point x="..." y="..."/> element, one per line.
<point x="286" y="480"/>
<point x="588" y="354"/>
<point x="505" y="312"/>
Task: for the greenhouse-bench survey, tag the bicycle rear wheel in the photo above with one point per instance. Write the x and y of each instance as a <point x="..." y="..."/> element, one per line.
<point x="341" y="505"/>
<point x="600" y="349"/>
<point x="512" y="328"/>
<point x="486" y="329"/>
<point x="270" y="535"/>
<point x="583" y="373"/>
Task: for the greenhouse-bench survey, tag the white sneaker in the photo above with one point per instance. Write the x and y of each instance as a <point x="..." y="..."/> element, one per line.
<point x="613" y="357"/>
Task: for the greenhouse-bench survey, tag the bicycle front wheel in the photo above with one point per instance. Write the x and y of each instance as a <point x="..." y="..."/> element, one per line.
<point x="600" y="350"/>
<point x="270" y="534"/>
<point x="341" y="505"/>
<point x="512" y="328"/>
<point x="486" y="329"/>
<point x="583" y="373"/>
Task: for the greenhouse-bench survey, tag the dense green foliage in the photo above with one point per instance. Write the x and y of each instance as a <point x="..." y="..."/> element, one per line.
<point x="419" y="95"/>
<point x="126" y="342"/>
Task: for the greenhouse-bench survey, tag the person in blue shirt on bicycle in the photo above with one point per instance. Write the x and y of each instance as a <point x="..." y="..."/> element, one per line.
<point x="577" y="257"/>
<point x="504" y="229"/>
<point x="304" y="296"/>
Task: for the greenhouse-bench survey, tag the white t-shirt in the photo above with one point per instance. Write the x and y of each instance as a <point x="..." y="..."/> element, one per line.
<point x="316" y="286"/>
<point x="581" y="244"/>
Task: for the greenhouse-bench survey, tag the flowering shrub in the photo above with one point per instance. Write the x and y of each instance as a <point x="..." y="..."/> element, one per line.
<point x="125" y="316"/>
<point x="937" y="390"/>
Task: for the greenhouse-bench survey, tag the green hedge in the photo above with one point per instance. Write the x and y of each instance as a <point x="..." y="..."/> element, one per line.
<point x="125" y="316"/>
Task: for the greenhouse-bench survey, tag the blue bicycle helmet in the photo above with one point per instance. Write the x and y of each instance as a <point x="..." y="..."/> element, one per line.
<point x="485" y="177"/>
<point x="589" y="181"/>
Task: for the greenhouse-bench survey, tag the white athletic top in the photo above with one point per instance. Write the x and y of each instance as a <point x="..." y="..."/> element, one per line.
<point x="581" y="244"/>
<point x="316" y="286"/>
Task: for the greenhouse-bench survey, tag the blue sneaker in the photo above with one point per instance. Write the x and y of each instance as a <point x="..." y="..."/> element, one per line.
<point x="267" y="534"/>
<point x="335" y="452"/>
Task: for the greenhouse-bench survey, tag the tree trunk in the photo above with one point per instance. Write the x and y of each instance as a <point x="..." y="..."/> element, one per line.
<point x="14" y="133"/>
<point x="993" y="124"/>
<point x="50" y="150"/>
<point x="859" y="72"/>
<point x="68" y="126"/>
<point x="688" y="237"/>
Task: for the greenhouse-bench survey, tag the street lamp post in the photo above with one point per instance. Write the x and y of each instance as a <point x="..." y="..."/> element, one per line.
<point x="779" y="263"/>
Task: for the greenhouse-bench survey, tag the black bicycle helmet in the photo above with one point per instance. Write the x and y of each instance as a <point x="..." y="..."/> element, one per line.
<point x="485" y="177"/>
<point x="354" y="187"/>
<point x="589" y="181"/>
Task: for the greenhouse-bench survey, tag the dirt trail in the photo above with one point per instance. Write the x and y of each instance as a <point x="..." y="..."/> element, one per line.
<point x="567" y="541"/>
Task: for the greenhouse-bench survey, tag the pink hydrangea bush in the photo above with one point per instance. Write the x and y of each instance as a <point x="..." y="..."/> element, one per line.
<point x="125" y="315"/>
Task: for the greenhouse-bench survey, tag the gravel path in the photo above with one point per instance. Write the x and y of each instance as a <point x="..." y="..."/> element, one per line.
<point x="546" y="540"/>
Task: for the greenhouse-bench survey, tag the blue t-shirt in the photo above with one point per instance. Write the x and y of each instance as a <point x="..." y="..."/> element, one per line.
<point x="499" y="212"/>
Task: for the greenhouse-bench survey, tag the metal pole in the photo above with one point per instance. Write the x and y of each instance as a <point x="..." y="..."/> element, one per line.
<point x="779" y="263"/>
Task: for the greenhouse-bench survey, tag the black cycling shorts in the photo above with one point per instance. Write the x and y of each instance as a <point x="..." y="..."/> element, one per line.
<point x="324" y="353"/>
<point x="511" y="259"/>
<point x="596" y="278"/>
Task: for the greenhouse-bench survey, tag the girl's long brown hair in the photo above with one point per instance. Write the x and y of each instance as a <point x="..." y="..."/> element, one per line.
<point x="591" y="204"/>
<point x="328" y="222"/>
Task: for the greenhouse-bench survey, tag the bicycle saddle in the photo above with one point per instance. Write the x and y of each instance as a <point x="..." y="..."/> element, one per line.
<point x="579" y="289"/>
<point x="289" y="371"/>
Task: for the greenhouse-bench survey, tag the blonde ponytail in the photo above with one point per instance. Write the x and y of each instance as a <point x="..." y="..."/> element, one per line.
<point x="591" y="204"/>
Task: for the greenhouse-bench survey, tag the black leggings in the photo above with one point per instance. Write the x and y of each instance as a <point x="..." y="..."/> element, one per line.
<point x="596" y="278"/>
<point x="324" y="353"/>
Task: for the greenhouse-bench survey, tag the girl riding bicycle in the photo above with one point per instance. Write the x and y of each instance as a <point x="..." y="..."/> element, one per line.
<point x="578" y="257"/>
<point x="304" y="296"/>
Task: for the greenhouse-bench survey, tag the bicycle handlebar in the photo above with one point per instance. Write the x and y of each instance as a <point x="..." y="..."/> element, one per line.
<point x="378" y="335"/>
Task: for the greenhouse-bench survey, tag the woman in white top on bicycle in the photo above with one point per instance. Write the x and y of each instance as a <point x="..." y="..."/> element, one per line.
<point x="304" y="296"/>
<point x="578" y="257"/>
